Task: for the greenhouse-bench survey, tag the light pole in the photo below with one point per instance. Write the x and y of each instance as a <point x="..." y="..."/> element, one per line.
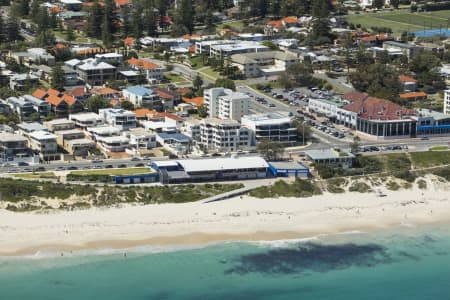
<point x="303" y="132"/>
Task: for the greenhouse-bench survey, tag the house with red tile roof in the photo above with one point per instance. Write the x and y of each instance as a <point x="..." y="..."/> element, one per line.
<point x="151" y="70"/>
<point x="62" y="104"/>
<point x="414" y="96"/>
<point x="409" y="83"/>
<point x="196" y="101"/>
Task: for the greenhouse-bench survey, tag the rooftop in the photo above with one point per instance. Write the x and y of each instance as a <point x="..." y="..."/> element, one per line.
<point x="42" y="135"/>
<point x="266" y="118"/>
<point x="140" y="90"/>
<point x="222" y="163"/>
<point x="11" y="137"/>
<point x="326" y="154"/>
<point x="30" y="127"/>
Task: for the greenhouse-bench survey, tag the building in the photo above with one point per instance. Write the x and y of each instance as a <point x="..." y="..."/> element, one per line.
<point x="45" y="144"/>
<point x="263" y="63"/>
<point x="212" y="169"/>
<point x="409" y="50"/>
<point x="270" y="126"/>
<point x="168" y="98"/>
<point x="288" y="169"/>
<point x="432" y="123"/>
<point x="5" y="109"/>
<point x="223" y="135"/>
<point x="74" y="142"/>
<point x="85" y="120"/>
<point x="409" y="83"/>
<point x="331" y="157"/>
<point x="59" y="124"/>
<point x="102" y="132"/>
<point x="111" y="58"/>
<point x="72" y="5"/>
<point x="191" y="128"/>
<point x="26" y="128"/>
<point x="114" y="144"/>
<point x="14" y="148"/>
<point x="226" y="104"/>
<point x="382" y="119"/>
<point x="119" y="118"/>
<point x="325" y="107"/>
<point x="141" y="138"/>
<point x="37" y="56"/>
<point x="151" y="70"/>
<point x="21" y="107"/>
<point x="177" y="143"/>
<point x="21" y="82"/>
<point x="222" y="48"/>
<point x="142" y="97"/>
<point x="93" y="71"/>
<point x="41" y="107"/>
<point x="447" y="102"/>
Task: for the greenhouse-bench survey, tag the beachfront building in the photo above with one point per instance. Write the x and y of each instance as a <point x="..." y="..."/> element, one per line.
<point x="102" y="132"/>
<point x="14" y="149"/>
<point x="275" y="127"/>
<point x="141" y="138"/>
<point x="211" y="169"/>
<point x="331" y="157"/>
<point x="325" y="107"/>
<point x="226" y="104"/>
<point x="45" y="144"/>
<point x="74" y="142"/>
<point x="119" y="118"/>
<point x="114" y="144"/>
<point x="177" y="143"/>
<point x="223" y="135"/>
<point x="432" y="123"/>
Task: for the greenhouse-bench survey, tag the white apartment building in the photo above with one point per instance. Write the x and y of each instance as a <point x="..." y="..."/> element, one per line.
<point x="115" y="144"/>
<point x="447" y="102"/>
<point x="119" y="118"/>
<point x="110" y="57"/>
<point x="270" y="126"/>
<point x="191" y="128"/>
<point x="142" y="97"/>
<point x="226" y="104"/>
<point x="223" y="135"/>
<point x="141" y="138"/>
<point x="102" y="132"/>
<point x="44" y="142"/>
<point x="326" y="107"/>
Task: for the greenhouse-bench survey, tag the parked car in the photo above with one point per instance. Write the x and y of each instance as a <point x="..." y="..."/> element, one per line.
<point x="135" y="159"/>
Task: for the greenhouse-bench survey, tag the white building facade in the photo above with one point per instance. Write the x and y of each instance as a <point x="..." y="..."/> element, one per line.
<point x="226" y="104"/>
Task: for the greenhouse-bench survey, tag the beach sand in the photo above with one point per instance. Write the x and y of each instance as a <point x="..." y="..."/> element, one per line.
<point x="239" y="218"/>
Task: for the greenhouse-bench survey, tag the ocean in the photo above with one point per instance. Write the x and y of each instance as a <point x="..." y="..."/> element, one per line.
<point x="402" y="263"/>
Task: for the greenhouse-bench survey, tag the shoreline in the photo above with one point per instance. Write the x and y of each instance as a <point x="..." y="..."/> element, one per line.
<point x="197" y="224"/>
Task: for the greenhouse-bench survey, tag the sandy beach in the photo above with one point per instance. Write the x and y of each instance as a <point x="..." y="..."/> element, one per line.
<point x="243" y="218"/>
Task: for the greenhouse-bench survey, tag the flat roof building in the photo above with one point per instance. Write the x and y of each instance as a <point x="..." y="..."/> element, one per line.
<point x="226" y="104"/>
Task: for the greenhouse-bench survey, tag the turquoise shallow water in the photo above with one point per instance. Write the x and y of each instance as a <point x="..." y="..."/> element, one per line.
<point x="406" y="263"/>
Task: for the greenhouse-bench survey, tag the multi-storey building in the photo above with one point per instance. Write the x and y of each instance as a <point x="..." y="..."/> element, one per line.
<point x="142" y="97"/>
<point x="119" y="118"/>
<point x="45" y="144"/>
<point x="226" y="104"/>
<point x="270" y="126"/>
<point x="223" y="135"/>
<point x="447" y="102"/>
<point x="85" y="120"/>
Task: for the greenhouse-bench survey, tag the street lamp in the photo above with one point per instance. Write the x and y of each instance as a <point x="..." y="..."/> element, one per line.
<point x="303" y="134"/>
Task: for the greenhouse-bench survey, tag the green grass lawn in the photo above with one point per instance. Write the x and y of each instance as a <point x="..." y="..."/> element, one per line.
<point x="209" y="73"/>
<point x="36" y="175"/>
<point x="238" y="25"/>
<point x="127" y="171"/>
<point x="439" y="148"/>
<point x="430" y="158"/>
<point x="402" y="21"/>
<point x="196" y="62"/>
<point x="174" y="78"/>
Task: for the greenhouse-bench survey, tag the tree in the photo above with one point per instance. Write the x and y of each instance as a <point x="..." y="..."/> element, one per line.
<point x="197" y="83"/>
<point x="185" y="15"/>
<point x="70" y="34"/>
<point x="303" y="130"/>
<point x="58" y="77"/>
<point x="202" y="111"/>
<point x="270" y="150"/>
<point x="354" y="147"/>
<point x="95" y="103"/>
<point x="127" y="105"/>
<point x="377" y="4"/>
<point x="226" y="83"/>
<point x="285" y="80"/>
<point x="45" y="38"/>
<point x="395" y="3"/>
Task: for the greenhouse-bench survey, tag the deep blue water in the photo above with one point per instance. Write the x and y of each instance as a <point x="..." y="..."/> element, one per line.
<point x="406" y="263"/>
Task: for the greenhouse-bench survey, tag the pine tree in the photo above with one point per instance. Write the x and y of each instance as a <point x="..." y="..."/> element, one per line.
<point x="57" y="77"/>
<point x="70" y="34"/>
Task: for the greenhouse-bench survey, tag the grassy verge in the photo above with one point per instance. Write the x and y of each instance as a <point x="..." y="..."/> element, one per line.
<point x="439" y="148"/>
<point x="237" y="25"/>
<point x="209" y="73"/>
<point x="430" y="158"/>
<point x="25" y="195"/>
<point x="37" y="175"/>
<point x="174" y="78"/>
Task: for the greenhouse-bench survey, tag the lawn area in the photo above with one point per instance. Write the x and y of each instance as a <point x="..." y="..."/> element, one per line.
<point x="128" y="171"/>
<point x="402" y="21"/>
<point x="430" y="158"/>
<point x="439" y="148"/>
<point x="238" y="25"/>
<point x="209" y="73"/>
<point x="36" y="175"/>
<point x="174" y="78"/>
<point x="196" y="62"/>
